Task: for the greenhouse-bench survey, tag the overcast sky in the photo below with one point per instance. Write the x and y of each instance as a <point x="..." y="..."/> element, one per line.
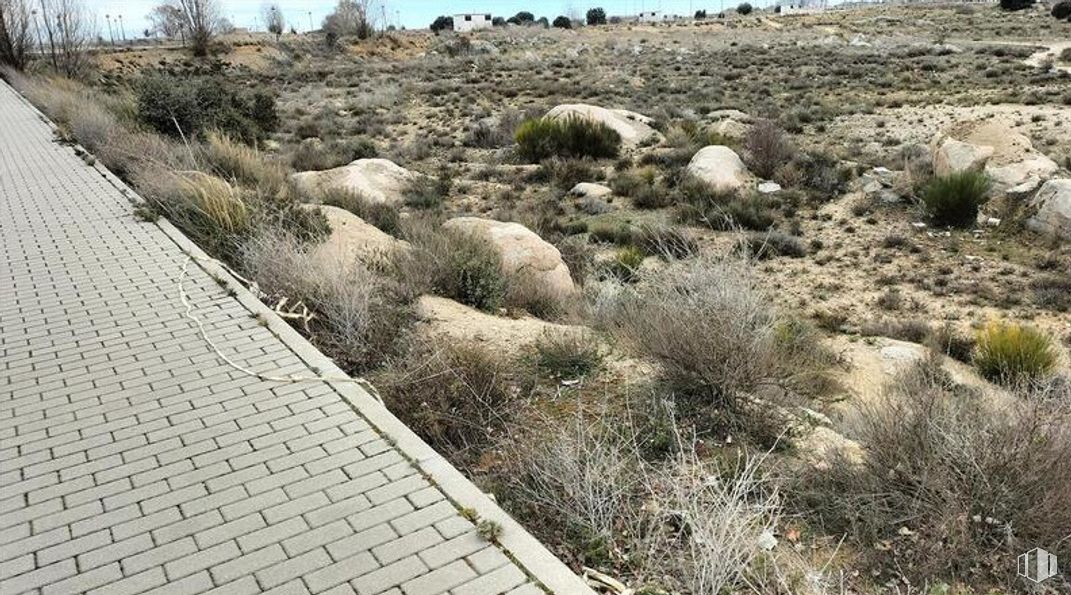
<point x="410" y="13"/>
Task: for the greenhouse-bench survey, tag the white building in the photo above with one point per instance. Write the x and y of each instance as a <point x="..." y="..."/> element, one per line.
<point x="654" y="16"/>
<point x="471" y="22"/>
<point x="801" y="7"/>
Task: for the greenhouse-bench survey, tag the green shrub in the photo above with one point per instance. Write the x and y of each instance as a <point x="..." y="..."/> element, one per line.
<point x="744" y="9"/>
<point x="452" y="263"/>
<point x="954" y="199"/>
<point x="540" y="138"/>
<point x="1062" y="10"/>
<point x="567" y="354"/>
<point x="768" y="245"/>
<point x="626" y="264"/>
<point x="316" y="156"/>
<point x="189" y="106"/>
<point x="1011" y="5"/>
<point x="1010" y="353"/>
<point x="722" y="209"/>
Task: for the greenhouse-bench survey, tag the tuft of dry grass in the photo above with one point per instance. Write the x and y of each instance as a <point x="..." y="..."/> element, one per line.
<point x="359" y="318"/>
<point x="244" y="164"/>
<point x="1011" y="353"/>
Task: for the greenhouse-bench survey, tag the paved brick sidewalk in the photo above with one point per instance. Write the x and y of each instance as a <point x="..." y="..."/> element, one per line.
<point x="133" y="459"/>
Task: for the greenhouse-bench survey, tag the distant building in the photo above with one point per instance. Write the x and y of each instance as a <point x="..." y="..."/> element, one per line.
<point x="655" y="16"/>
<point x="801" y="7"/>
<point x="471" y="22"/>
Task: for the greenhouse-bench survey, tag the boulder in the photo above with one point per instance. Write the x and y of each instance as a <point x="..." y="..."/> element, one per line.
<point x="352" y="237"/>
<point x="1053" y="203"/>
<point x="1012" y="161"/>
<point x="522" y="251"/>
<point x="730" y="128"/>
<point x="590" y="190"/>
<point x="954" y="156"/>
<point x="720" y="167"/>
<point x="444" y="318"/>
<point x="634" y="128"/>
<point x="377" y="180"/>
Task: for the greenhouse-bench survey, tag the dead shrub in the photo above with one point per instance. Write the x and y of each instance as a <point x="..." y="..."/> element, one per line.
<point x="767" y="148"/>
<point x="457" y="396"/>
<point x="955" y="484"/>
<point x="708" y="323"/>
<point x="359" y="318"/>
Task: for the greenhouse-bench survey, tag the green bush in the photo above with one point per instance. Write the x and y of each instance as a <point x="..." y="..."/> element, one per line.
<point x="189" y="106"/>
<point x="744" y="8"/>
<point x="562" y="22"/>
<point x="626" y="264"/>
<point x="954" y="199"/>
<point x="1062" y="10"/>
<point x="763" y="246"/>
<point x="540" y="138"/>
<point x="1012" y="353"/>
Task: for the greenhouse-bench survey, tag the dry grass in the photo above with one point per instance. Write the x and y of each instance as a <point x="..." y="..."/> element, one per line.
<point x="244" y="164"/>
<point x="213" y="213"/>
<point x="456" y="396"/>
<point x="954" y="485"/>
<point x="359" y="318"/>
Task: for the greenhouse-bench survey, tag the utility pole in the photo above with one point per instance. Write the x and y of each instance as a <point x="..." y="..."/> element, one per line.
<point x="111" y="33"/>
<point x="122" y="30"/>
<point x="310" y="22"/>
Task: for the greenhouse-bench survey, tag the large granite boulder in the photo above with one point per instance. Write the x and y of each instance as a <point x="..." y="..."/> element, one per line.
<point x="377" y="180"/>
<point x="634" y="128"/>
<point x="1053" y="203"/>
<point x="352" y="237"/>
<point x="720" y="167"/>
<point x="522" y="251"/>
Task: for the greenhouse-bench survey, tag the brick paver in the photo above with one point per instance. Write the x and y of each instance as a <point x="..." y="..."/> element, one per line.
<point x="133" y="459"/>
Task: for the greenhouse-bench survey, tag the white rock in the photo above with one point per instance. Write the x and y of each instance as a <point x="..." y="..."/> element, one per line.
<point x="1024" y="190"/>
<point x="720" y="167"/>
<point x="352" y="237"/>
<point x="634" y="128"/>
<point x="1053" y="203"/>
<point x="954" y="156"/>
<point x="522" y="251"/>
<point x="589" y="189"/>
<point x="769" y="187"/>
<point x="1013" y="160"/>
<point x="377" y="180"/>
<point x="767" y="541"/>
<point x="730" y="128"/>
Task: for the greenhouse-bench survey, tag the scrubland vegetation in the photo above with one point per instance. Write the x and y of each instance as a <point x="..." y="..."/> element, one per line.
<point x="825" y="371"/>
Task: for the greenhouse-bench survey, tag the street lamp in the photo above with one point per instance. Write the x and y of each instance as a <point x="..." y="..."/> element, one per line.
<point x="111" y="33"/>
<point x="310" y="21"/>
<point x="122" y="30"/>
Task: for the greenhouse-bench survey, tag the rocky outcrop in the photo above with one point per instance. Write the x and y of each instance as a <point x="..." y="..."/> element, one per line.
<point x="1011" y="159"/>
<point x="954" y="156"/>
<point x="522" y="251"/>
<point x="1053" y="204"/>
<point x="377" y="180"/>
<point x="352" y="237"/>
<point x="720" y="167"/>
<point x="634" y="128"/>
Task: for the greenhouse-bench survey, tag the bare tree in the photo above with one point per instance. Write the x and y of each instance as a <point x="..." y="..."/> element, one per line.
<point x="16" y="38"/>
<point x="69" y="30"/>
<point x="351" y="17"/>
<point x="168" y="20"/>
<point x="273" y="18"/>
<point x="202" y="21"/>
